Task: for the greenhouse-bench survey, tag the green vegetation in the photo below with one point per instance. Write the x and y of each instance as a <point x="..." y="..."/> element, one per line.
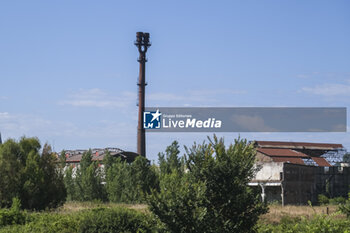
<point x="29" y="175"/>
<point x="117" y="219"/>
<point x="318" y="223"/>
<point x="119" y="181"/>
<point x="204" y="191"/>
<point x="130" y="183"/>
<point x="99" y="217"/>
<point x="13" y="215"/>
<point x="86" y="185"/>
<point x="324" y="200"/>
<point x="345" y="207"/>
<point x="212" y="195"/>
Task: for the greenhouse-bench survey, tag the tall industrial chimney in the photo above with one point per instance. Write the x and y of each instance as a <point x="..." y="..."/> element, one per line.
<point x="142" y="43"/>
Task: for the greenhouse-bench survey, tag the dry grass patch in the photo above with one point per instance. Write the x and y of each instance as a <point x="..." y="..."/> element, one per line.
<point x="73" y="206"/>
<point x="274" y="216"/>
<point x="277" y="212"/>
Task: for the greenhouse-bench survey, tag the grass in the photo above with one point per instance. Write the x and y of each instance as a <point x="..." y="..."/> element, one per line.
<point x="278" y="219"/>
<point x="74" y="206"/>
<point x="274" y="216"/>
<point x="277" y="212"/>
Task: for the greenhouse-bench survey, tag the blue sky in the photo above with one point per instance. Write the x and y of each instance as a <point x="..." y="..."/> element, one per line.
<point x="68" y="69"/>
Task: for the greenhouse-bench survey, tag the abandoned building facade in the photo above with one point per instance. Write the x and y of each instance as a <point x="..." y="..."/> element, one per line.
<point x="297" y="172"/>
<point x="289" y="172"/>
<point x="73" y="157"/>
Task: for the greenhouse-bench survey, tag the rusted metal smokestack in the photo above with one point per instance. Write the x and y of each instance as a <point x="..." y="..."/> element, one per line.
<point x="142" y="43"/>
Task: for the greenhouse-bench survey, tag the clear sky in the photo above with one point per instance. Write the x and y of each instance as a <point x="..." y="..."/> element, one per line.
<point x="68" y="69"/>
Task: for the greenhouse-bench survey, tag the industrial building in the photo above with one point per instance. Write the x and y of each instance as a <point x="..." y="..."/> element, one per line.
<point x="73" y="157"/>
<point x="297" y="172"/>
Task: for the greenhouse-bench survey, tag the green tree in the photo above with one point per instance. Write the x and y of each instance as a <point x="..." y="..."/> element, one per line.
<point x="108" y="160"/>
<point x="70" y="184"/>
<point x="29" y="175"/>
<point x="88" y="180"/>
<point x="62" y="161"/>
<point x="33" y="183"/>
<point x="170" y="160"/>
<point x="53" y="182"/>
<point x="143" y="175"/>
<point x="118" y="181"/>
<point x="11" y="168"/>
<point x="130" y="182"/>
<point x="213" y="195"/>
<point x="180" y="203"/>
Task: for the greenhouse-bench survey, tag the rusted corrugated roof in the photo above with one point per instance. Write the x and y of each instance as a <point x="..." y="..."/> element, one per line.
<point x="292" y="156"/>
<point x="99" y="154"/>
<point x="281" y="152"/>
<point x="321" y="161"/>
<point x="299" y="145"/>
<point x="288" y="160"/>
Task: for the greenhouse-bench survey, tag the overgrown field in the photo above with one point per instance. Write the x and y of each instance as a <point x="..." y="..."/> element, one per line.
<point x="277" y="213"/>
<point x="86" y="218"/>
<point x="303" y="219"/>
<point x="111" y="217"/>
<point x="206" y="190"/>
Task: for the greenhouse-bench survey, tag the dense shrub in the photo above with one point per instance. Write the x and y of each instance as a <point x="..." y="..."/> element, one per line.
<point x="319" y="223"/>
<point x="85" y="184"/>
<point x="129" y="183"/>
<point x="345" y="207"/>
<point x="170" y="160"/>
<point x="213" y="194"/>
<point x="118" y="181"/>
<point x="49" y="223"/>
<point x="96" y="220"/>
<point x="116" y="220"/>
<point x="30" y="175"/>
<point x="323" y="199"/>
<point x="337" y="200"/>
<point x="13" y="215"/>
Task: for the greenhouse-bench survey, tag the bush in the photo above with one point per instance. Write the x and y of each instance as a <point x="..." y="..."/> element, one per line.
<point x="345" y="208"/>
<point x="87" y="182"/>
<point x="213" y="195"/>
<point x="179" y="205"/>
<point x="96" y="220"/>
<point x="31" y="176"/>
<point x="115" y="220"/>
<point x="337" y="200"/>
<point x="129" y="183"/>
<point x="319" y="223"/>
<point x="323" y="199"/>
<point x="48" y="223"/>
<point x="12" y="216"/>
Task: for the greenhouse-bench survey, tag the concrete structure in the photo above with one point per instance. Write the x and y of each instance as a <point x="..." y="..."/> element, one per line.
<point x="294" y="173"/>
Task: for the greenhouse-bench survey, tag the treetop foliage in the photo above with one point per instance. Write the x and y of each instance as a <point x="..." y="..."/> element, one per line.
<point x="31" y="176"/>
<point x="213" y="194"/>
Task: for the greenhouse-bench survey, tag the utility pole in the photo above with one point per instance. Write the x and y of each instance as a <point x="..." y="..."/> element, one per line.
<point x="142" y="43"/>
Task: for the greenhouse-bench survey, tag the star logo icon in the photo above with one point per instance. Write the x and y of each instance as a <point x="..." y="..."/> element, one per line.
<point x="152" y="119"/>
<point x="156" y="115"/>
